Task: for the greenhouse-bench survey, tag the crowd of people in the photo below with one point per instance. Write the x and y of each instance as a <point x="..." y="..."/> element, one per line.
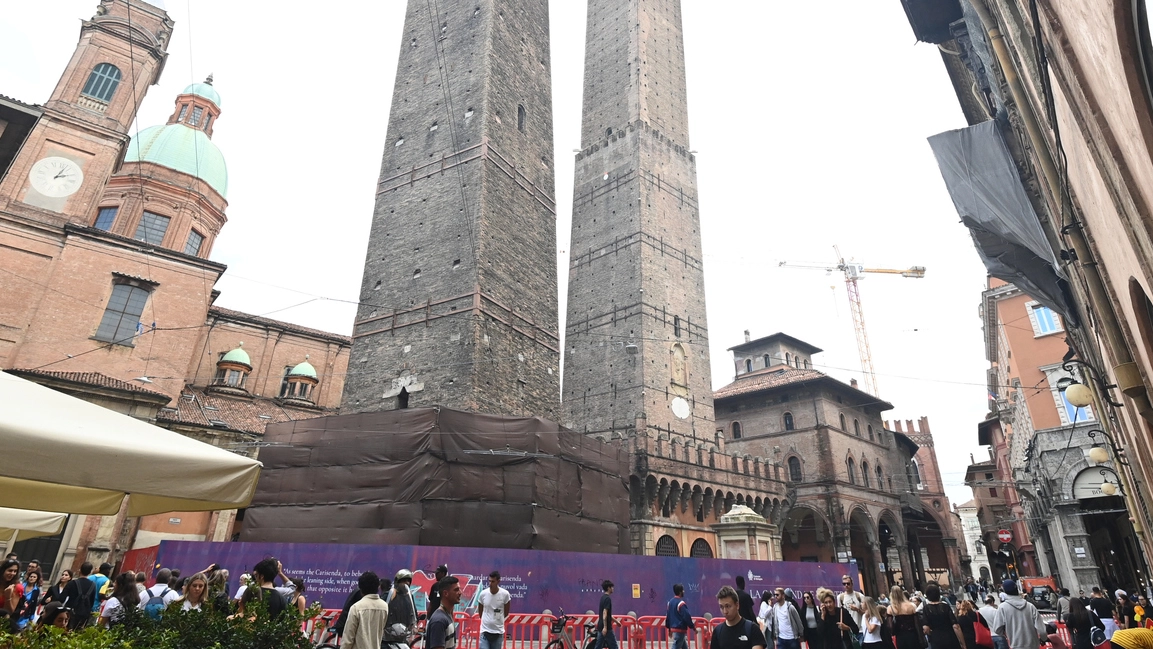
<point x="932" y="619"/>
<point x="96" y="597"/>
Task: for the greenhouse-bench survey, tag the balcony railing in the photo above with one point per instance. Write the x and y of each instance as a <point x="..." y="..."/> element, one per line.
<point x="92" y="103"/>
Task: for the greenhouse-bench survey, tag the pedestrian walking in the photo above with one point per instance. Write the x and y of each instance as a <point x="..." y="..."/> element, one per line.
<point x="55" y="592"/>
<point x="1103" y="607"/>
<point x="906" y="629"/>
<point x="434" y="591"/>
<point x="940" y="622"/>
<point x="440" y="633"/>
<point x="605" y="637"/>
<point x="971" y="589"/>
<point x="837" y="626"/>
<point x="124" y="596"/>
<point x="678" y="620"/>
<point x="79" y="595"/>
<point x="810" y="617"/>
<point x="1081" y="621"/>
<point x="765" y="610"/>
<point x="157" y="598"/>
<point x="873" y="619"/>
<point x="494" y="604"/>
<point x="1126" y="611"/>
<point x="1062" y="607"/>
<point x="738" y="632"/>
<point x="30" y="601"/>
<point x="968" y="619"/>
<point x="367" y="617"/>
<point x="1017" y="620"/>
<point x="785" y="622"/>
<point x="853" y="602"/>
<point x="745" y="600"/>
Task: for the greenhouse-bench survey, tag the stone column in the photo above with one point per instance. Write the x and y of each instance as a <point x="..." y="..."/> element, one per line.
<point x="1074" y="537"/>
<point x="907" y="577"/>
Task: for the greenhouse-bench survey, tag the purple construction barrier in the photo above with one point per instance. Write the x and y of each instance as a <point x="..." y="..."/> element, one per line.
<point x="536" y="579"/>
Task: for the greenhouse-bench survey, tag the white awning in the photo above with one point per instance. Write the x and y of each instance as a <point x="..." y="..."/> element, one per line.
<point x="64" y="454"/>
<point x="28" y="524"/>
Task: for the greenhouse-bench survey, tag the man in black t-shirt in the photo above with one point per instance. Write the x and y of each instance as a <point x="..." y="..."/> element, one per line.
<point x="736" y="632"/>
<point x="434" y="591"/>
<point x="1101" y="604"/>
<point x="745" y="600"/>
<point x="605" y="637"/>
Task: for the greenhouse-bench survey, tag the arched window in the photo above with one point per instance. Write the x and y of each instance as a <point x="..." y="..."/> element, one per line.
<point x="914" y="475"/>
<point x="880" y="479"/>
<point x="701" y="550"/>
<point x="788" y="358"/>
<point x="871" y="433"/>
<point x="520" y="115"/>
<point x="857" y="427"/>
<point x="795" y="469"/>
<point x="844" y="426"/>
<point x="736" y="430"/>
<point x="748" y="365"/>
<point x="102" y="82"/>
<point x="768" y="361"/>
<point x="865" y="474"/>
<point x="788" y="421"/>
<point x="807" y="365"/>
<point x="667" y="547"/>
<point x="852" y="466"/>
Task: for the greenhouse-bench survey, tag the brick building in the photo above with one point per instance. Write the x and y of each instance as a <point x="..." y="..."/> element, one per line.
<point x="1037" y="482"/>
<point x="865" y="490"/>
<point x="1058" y="98"/>
<point x="108" y="285"/>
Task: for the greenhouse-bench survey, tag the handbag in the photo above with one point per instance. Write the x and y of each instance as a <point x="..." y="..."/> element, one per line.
<point x="855" y="642"/>
<point x="983" y="637"/>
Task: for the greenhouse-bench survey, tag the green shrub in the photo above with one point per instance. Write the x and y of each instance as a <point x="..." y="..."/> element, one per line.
<point x="175" y="630"/>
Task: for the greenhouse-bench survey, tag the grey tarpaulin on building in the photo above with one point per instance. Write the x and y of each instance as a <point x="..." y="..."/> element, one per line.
<point x="436" y="476"/>
<point x="986" y="189"/>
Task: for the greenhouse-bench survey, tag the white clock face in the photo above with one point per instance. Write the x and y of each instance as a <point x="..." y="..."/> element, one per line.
<point x="56" y="177"/>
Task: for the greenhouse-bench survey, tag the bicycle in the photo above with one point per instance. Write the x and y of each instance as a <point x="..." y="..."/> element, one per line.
<point x="563" y="640"/>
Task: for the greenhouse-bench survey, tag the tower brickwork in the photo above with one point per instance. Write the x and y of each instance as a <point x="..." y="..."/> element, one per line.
<point x="636" y="335"/>
<point x="458" y="300"/>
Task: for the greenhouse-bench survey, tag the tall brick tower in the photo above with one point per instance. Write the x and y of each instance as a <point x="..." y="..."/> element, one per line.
<point x="636" y="340"/>
<point x="459" y="296"/>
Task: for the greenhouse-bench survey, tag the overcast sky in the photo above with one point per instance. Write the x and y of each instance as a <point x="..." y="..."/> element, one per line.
<point x="809" y="121"/>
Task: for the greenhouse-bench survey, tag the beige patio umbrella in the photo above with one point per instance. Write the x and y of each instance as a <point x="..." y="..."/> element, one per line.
<point x="63" y="454"/>
<point x="28" y="524"/>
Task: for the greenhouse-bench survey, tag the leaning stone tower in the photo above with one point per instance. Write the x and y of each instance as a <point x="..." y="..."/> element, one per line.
<point x="636" y="338"/>
<point x="459" y="295"/>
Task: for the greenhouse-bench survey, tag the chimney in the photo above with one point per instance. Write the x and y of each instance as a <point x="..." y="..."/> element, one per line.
<point x="853" y="382"/>
<point x="747" y="338"/>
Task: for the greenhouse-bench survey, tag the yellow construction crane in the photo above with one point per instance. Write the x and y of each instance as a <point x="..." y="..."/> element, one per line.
<point x="854" y="272"/>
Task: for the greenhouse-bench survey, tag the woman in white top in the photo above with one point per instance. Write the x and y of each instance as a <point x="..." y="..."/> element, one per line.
<point x="124" y="595"/>
<point x="872" y="622"/>
<point x="766" y="610"/>
<point x="195" y="593"/>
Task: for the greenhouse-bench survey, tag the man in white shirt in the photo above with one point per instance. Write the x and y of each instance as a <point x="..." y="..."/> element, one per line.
<point x="786" y="622"/>
<point x="160" y="589"/>
<point x="366" y="618"/>
<point x="493" y="608"/>
<point x="853" y="602"/>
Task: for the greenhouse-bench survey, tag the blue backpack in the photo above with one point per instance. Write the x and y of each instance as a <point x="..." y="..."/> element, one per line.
<point x="154" y="607"/>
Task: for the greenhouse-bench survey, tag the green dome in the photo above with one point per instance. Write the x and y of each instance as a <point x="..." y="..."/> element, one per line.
<point x="203" y="90"/>
<point x="303" y="369"/>
<point x="237" y="355"/>
<point x="183" y="149"/>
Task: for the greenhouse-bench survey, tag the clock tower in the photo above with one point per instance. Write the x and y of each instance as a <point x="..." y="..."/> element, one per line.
<point x="81" y="136"/>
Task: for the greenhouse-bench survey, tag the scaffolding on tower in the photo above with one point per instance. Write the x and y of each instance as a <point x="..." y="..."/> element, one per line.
<point x="854" y="272"/>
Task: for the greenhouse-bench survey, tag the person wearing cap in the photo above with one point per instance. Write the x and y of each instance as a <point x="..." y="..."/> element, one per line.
<point x="434" y="591"/>
<point x="1017" y="620"/>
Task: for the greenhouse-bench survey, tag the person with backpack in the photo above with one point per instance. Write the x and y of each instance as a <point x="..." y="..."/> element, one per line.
<point x="154" y="600"/>
<point x="80" y="595"/>
<point x="737" y="632"/>
<point x="785" y="622"/>
<point x="124" y="596"/>
<point x="104" y="585"/>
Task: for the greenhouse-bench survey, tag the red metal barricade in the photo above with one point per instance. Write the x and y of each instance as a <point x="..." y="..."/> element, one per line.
<point x="316" y="628"/>
<point x="467" y="630"/>
<point x="530" y="631"/>
<point x="1063" y="633"/>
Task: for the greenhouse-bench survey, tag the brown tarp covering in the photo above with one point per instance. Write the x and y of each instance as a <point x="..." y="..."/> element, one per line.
<point x="436" y="476"/>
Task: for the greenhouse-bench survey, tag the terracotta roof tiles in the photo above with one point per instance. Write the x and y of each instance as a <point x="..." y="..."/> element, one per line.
<point x="767" y="380"/>
<point x="89" y="378"/>
<point x="198" y="407"/>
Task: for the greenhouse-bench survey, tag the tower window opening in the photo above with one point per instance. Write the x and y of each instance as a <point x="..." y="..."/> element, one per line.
<point x="788" y="358"/>
<point x="105" y="218"/>
<point x="789" y="421"/>
<point x="402" y="399"/>
<point x="748" y="365"/>
<point x="183" y="112"/>
<point x="416" y="274"/>
<point x="152" y="228"/>
<point x="736" y="430"/>
<point x="795" y="469"/>
<point x="207" y="121"/>
<point x="768" y="361"/>
<point x="102" y="82"/>
<point x="197" y="113"/>
<point x="194" y="243"/>
<point x="677" y="326"/>
<point x="520" y="115"/>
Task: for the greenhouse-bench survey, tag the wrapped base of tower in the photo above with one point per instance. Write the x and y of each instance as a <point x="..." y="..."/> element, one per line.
<point x="436" y="476"/>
